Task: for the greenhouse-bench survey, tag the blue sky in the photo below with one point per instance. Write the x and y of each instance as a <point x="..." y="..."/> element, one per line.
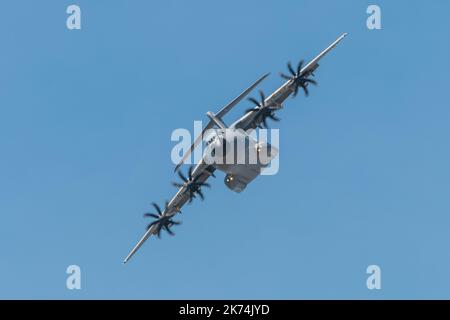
<point x="85" y="125"/>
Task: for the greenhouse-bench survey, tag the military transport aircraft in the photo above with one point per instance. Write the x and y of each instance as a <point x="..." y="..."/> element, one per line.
<point x="217" y="136"/>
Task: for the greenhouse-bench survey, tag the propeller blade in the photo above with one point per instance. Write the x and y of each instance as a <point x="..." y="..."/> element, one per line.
<point x="157" y="208"/>
<point x="158" y="230"/>
<point x="291" y="70"/>
<point x="305" y="88"/>
<point x="274" y="118"/>
<point x="178" y="185"/>
<point x="191" y="196"/>
<point x="299" y="67"/>
<point x="256" y="102"/>
<point x="200" y="193"/>
<point x="182" y="177"/>
<point x="312" y="81"/>
<point x="167" y="228"/>
<point x="285" y="76"/>
<point x="152" y="215"/>
<point x="263" y="98"/>
<point x="295" y="91"/>
<point x="190" y="172"/>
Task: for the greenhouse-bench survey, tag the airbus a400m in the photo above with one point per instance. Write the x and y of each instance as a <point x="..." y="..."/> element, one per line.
<point x="218" y="136"/>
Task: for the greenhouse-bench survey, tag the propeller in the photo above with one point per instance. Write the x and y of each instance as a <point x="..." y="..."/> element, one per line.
<point x="264" y="112"/>
<point x="162" y="222"/>
<point x="192" y="185"/>
<point x="299" y="80"/>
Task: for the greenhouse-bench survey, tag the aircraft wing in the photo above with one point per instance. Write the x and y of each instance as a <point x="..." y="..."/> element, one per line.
<point x="203" y="171"/>
<point x="251" y="120"/>
<point x="219" y="115"/>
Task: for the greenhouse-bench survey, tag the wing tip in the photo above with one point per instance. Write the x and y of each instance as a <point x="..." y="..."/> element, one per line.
<point x="342" y="36"/>
<point x="126" y="259"/>
<point x="263" y="77"/>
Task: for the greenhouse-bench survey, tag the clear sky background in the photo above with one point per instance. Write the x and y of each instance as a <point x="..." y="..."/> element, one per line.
<point x="85" y="124"/>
